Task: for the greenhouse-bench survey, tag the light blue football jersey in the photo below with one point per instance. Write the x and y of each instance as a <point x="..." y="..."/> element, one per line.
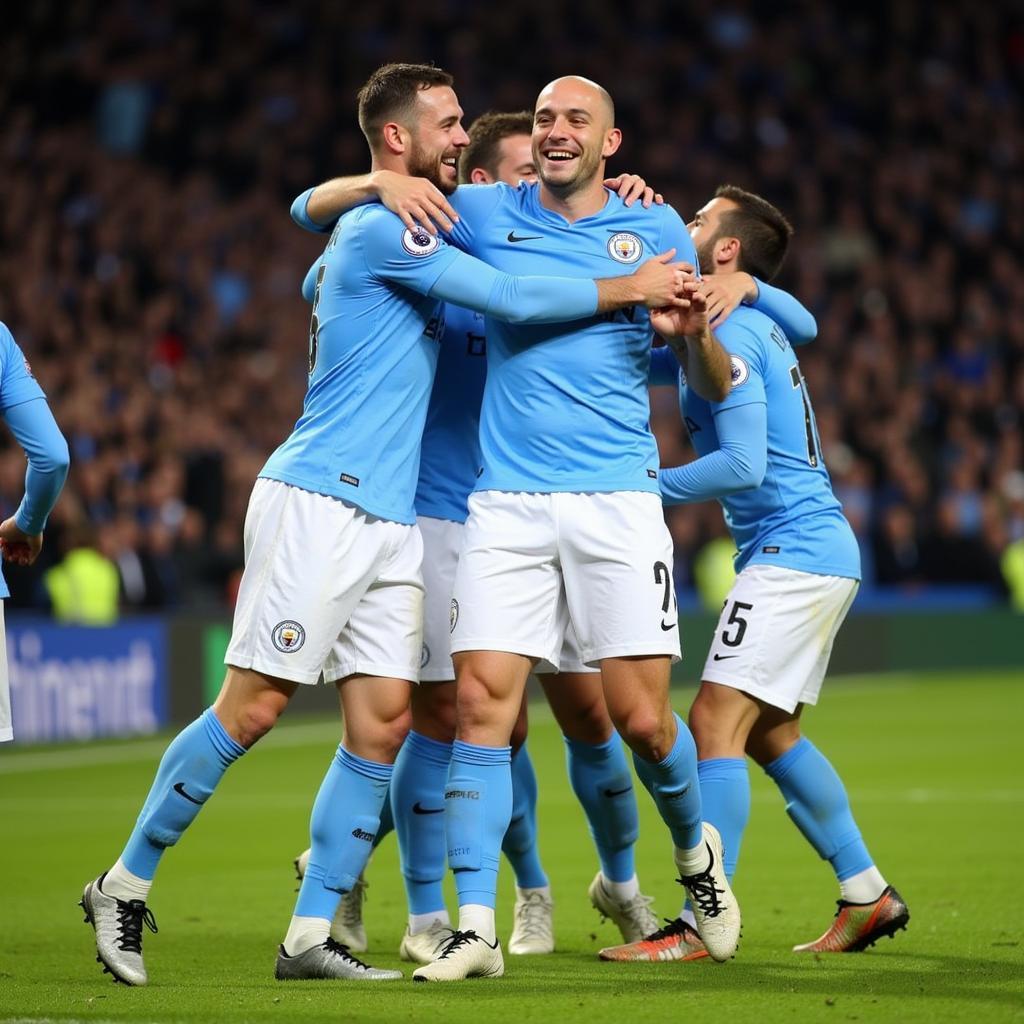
<point x="451" y="439"/>
<point x="792" y="519"/>
<point x="373" y="349"/>
<point x="566" y="406"/>
<point x="373" y="346"/>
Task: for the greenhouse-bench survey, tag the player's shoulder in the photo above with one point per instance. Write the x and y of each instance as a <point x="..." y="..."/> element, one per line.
<point x="6" y="338"/>
<point x="382" y="233"/>
<point x="746" y="328"/>
<point x="473" y="200"/>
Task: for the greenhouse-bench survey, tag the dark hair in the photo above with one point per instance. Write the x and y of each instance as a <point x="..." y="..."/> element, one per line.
<point x="763" y="231"/>
<point x="391" y="91"/>
<point x="485" y="135"/>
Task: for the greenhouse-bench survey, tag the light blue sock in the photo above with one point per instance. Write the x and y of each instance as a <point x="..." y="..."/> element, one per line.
<point x="603" y="784"/>
<point x="417" y="803"/>
<point x="387" y="819"/>
<point x="725" y="798"/>
<point x="188" y="774"/>
<point x="478" y="806"/>
<point x="520" y="842"/>
<point x="342" y="827"/>
<point x="673" y="784"/>
<point x="816" y="801"/>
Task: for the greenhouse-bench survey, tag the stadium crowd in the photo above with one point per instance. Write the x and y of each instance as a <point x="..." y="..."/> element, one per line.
<point x="149" y="267"/>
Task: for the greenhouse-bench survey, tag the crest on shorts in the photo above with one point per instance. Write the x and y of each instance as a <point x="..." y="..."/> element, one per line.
<point x="288" y="636"/>
<point x="424" y="656"/>
<point x="453" y="615"/>
<point x="625" y="247"/>
<point x="740" y="371"/>
<point x="419" y="242"/>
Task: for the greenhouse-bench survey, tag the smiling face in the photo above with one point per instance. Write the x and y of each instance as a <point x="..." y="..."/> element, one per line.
<point x="436" y="137"/>
<point x="573" y="135"/>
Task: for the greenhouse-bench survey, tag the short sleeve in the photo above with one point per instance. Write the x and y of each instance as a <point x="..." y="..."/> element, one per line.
<point x="17" y="384"/>
<point x="747" y="358"/>
<point x="415" y="259"/>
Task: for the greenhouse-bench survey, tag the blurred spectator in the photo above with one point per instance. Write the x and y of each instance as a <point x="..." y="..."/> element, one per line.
<point x="83" y="586"/>
<point x="148" y="265"/>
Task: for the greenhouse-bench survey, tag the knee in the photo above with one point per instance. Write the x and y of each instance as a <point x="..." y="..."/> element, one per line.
<point x="391" y="734"/>
<point x="648" y="734"/>
<point x="433" y="711"/>
<point x="251" y="722"/>
<point x="589" y="724"/>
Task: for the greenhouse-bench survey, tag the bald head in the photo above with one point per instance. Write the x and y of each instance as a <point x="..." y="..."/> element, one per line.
<point x="588" y="95"/>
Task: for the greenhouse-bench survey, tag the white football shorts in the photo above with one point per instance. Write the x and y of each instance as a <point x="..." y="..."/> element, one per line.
<point x="775" y="634"/>
<point x="533" y="563"/>
<point x="327" y="590"/>
<point x="442" y="542"/>
<point x="6" y="722"/>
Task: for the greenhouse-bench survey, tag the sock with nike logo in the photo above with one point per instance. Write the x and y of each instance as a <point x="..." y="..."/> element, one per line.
<point x="520" y="842"/>
<point x="603" y="784"/>
<point x="189" y="772"/>
<point x="673" y="784"/>
<point x="342" y="828"/>
<point x="417" y="804"/>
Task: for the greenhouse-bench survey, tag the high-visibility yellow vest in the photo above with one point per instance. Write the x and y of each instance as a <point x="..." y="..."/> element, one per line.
<point x="713" y="572"/>
<point x="84" y="588"/>
<point x="1012" y="564"/>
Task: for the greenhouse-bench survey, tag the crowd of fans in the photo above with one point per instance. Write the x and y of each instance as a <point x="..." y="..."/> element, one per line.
<point x="149" y="152"/>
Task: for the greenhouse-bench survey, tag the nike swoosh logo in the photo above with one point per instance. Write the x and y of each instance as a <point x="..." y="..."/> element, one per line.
<point x="513" y="237"/>
<point x="671" y="625"/>
<point x="618" y="792"/>
<point x="418" y="808"/>
<point x="179" y="788"/>
<point x="724" y="657"/>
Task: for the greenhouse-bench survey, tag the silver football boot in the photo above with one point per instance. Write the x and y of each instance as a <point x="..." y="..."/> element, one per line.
<point x="328" y="960"/>
<point x="118" y="926"/>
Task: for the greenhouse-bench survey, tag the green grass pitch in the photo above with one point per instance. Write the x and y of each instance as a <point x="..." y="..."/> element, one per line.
<point x="932" y="763"/>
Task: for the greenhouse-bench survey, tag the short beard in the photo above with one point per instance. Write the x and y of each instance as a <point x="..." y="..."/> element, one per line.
<point x="421" y="166"/>
<point x="706" y="257"/>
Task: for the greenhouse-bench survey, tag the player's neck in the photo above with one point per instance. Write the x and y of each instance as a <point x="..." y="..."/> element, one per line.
<point x="574" y="206"/>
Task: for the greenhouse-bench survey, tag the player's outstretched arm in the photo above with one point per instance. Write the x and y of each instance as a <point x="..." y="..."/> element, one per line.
<point x="416" y="201"/>
<point x="685" y="328"/>
<point x="657" y="284"/>
<point x="738" y="464"/>
<point x="33" y="425"/>
<point x="724" y="292"/>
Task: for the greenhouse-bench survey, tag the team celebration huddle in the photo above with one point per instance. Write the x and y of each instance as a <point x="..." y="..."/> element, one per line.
<point x="473" y="494"/>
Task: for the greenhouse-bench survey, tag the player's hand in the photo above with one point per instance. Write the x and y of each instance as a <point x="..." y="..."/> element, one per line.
<point x="662" y="283"/>
<point x="631" y="187"/>
<point x="724" y="292"/>
<point x="688" y="316"/>
<point x="416" y="200"/>
<point x="18" y="546"/>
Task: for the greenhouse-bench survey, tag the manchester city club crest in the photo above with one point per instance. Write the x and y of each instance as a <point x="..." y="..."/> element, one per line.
<point x="419" y="242"/>
<point x="740" y="371"/>
<point x="288" y="636"/>
<point x="453" y="615"/>
<point x="625" y="247"/>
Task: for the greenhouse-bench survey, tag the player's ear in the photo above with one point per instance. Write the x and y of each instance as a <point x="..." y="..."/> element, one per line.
<point x="726" y="249"/>
<point x="395" y="137"/>
<point x="612" y="141"/>
<point x="478" y="176"/>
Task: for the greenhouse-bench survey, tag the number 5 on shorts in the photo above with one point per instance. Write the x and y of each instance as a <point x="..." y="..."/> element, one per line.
<point x="737" y="620"/>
